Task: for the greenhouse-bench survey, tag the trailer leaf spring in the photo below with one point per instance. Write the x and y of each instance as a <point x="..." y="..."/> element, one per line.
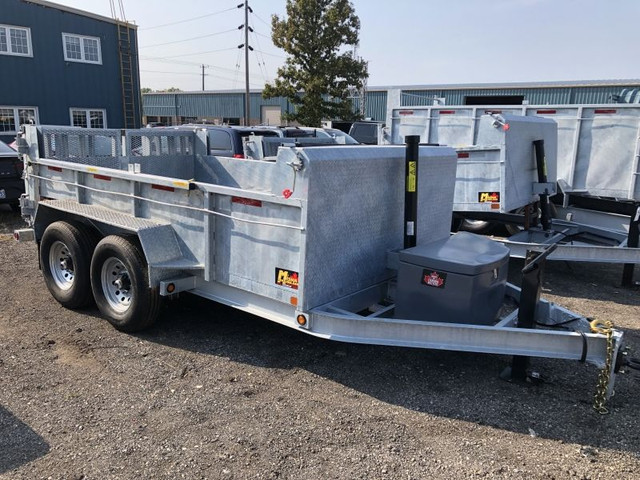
<point x="600" y="397"/>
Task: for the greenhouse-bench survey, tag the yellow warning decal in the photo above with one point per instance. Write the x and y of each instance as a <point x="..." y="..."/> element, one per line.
<point x="411" y="179"/>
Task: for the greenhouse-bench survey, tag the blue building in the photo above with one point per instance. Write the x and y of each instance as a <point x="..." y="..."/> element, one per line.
<point x="63" y="66"/>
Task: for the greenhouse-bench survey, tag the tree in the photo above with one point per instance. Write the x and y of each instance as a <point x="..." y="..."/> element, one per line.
<point x="145" y="90"/>
<point x="318" y="72"/>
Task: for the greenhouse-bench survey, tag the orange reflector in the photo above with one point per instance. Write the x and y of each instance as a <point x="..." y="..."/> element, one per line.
<point x="294" y="301"/>
<point x="302" y="320"/>
<point x="495" y="206"/>
<point x="171" y="288"/>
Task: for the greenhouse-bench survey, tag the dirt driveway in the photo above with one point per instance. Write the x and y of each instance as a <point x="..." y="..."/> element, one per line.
<point x="213" y="393"/>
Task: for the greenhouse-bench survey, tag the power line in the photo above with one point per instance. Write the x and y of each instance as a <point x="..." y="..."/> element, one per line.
<point x="196" y="53"/>
<point x="270" y="54"/>
<point x="188" y="19"/>
<point x="263" y="64"/>
<point x="262" y="20"/>
<point x="174" y="62"/>
<point x="189" y="39"/>
<point x="197" y="74"/>
<point x="262" y="35"/>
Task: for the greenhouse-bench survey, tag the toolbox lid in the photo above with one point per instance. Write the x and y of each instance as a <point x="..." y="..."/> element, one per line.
<point x="463" y="253"/>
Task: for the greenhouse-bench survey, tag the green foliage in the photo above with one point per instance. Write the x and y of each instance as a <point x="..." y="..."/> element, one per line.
<point x="318" y="72"/>
<point x="146" y="90"/>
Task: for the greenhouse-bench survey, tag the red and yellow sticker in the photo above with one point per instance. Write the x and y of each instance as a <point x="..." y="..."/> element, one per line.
<point x="286" y="278"/>
<point x="489" y="197"/>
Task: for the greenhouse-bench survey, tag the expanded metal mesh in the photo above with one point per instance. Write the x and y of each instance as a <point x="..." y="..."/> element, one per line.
<point x="97" y="147"/>
<point x="160" y="143"/>
<point x="150" y="148"/>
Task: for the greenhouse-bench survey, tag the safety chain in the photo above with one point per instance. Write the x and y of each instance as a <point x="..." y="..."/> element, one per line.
<point x="600" y="398"/>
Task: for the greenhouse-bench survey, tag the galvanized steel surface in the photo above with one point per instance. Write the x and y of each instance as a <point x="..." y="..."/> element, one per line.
<point x="598" y="145"/>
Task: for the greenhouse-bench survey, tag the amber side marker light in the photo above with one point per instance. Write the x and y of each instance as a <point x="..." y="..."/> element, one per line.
<point x="171" y="288"/>
<point x="302" y="320"/>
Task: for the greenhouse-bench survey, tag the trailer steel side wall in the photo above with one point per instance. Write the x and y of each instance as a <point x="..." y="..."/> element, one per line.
<point x="593" y="140"/>
<point x="504" y="164"/>
<point x="228" y="221"/>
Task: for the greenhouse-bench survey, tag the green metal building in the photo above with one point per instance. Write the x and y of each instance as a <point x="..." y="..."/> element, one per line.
<point x="228" y="106"/>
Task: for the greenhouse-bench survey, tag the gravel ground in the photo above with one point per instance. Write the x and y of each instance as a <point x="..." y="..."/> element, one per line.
<point x="213" y="393"/>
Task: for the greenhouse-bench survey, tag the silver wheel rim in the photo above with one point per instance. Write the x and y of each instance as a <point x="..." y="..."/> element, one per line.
<point x="116" y="284"/>
<point x="61" y="265"/>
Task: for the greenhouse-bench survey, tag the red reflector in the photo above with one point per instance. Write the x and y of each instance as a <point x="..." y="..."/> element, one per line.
<point x="463" y="154"/>
<point x="101" y="177"/>
<point x="605" y="111"/>
<point x="495" y="206"/>
<point x="405" y="112"/>
<point x="247" y="201"/>
<point x="447" y="112"/>
<point x="546" y="112"/>
<point x="238" y="155"/>
<point x="163" y="187"/>
<point x="55" y="169"/>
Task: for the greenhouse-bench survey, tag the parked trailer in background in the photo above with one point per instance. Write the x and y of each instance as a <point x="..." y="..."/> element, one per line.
<point x="597" y="209"/>
<point x="313" y="239"/>
<point x="598" y="145"/>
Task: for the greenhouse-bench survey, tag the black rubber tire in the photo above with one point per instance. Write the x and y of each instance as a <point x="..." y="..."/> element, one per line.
<point x="15" y="207"/>
<point x="80" y="242"/>
<point x="144" y="306"/>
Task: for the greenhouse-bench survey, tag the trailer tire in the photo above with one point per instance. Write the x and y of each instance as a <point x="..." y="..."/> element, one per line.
<point x="65" y="259"/>
<point x="120" y="284"/>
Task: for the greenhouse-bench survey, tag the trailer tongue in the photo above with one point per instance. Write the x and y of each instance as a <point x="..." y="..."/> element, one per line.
<point x="313" y="239"/>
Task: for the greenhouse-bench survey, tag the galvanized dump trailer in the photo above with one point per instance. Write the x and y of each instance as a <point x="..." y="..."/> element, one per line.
<point x="596" y="169"/>
<point x="312" y="239"/>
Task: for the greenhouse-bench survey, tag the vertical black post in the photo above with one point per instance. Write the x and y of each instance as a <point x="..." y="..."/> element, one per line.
<point x="411" y="190"/>
<point x="529" y="296"/>
<point x="541" y="164"/>
<point x="633" y="241"/>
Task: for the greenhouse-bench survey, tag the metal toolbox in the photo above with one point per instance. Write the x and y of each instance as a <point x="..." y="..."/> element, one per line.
<point x="458" y="279"/>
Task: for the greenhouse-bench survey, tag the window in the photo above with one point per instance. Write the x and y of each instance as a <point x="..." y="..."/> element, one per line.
<point x="12" y="117"/>
<point x="15" y="41"/>
<point x="88" y="118"/>
<point x="81" y="49"/>
<point x="219" y="140"/>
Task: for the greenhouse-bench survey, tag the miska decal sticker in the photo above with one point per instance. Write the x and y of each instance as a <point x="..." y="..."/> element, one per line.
<point x="489" y="197"/>
<point x="287" y="278"/>
<point x="432" y="278"/>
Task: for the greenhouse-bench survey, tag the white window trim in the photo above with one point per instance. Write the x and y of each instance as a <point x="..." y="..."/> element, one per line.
<point x="86" y="112"/>
<point x="81" y="38"/>
<point x="29" y="45"/>
<point x="16" y="117"/>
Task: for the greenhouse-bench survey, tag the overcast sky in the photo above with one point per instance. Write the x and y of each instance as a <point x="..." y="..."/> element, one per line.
<point x="407" y="42"/>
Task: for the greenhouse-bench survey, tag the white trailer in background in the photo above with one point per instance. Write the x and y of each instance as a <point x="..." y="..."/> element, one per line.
<point x="596" y="169"/>
<point x="312" y="239"/>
